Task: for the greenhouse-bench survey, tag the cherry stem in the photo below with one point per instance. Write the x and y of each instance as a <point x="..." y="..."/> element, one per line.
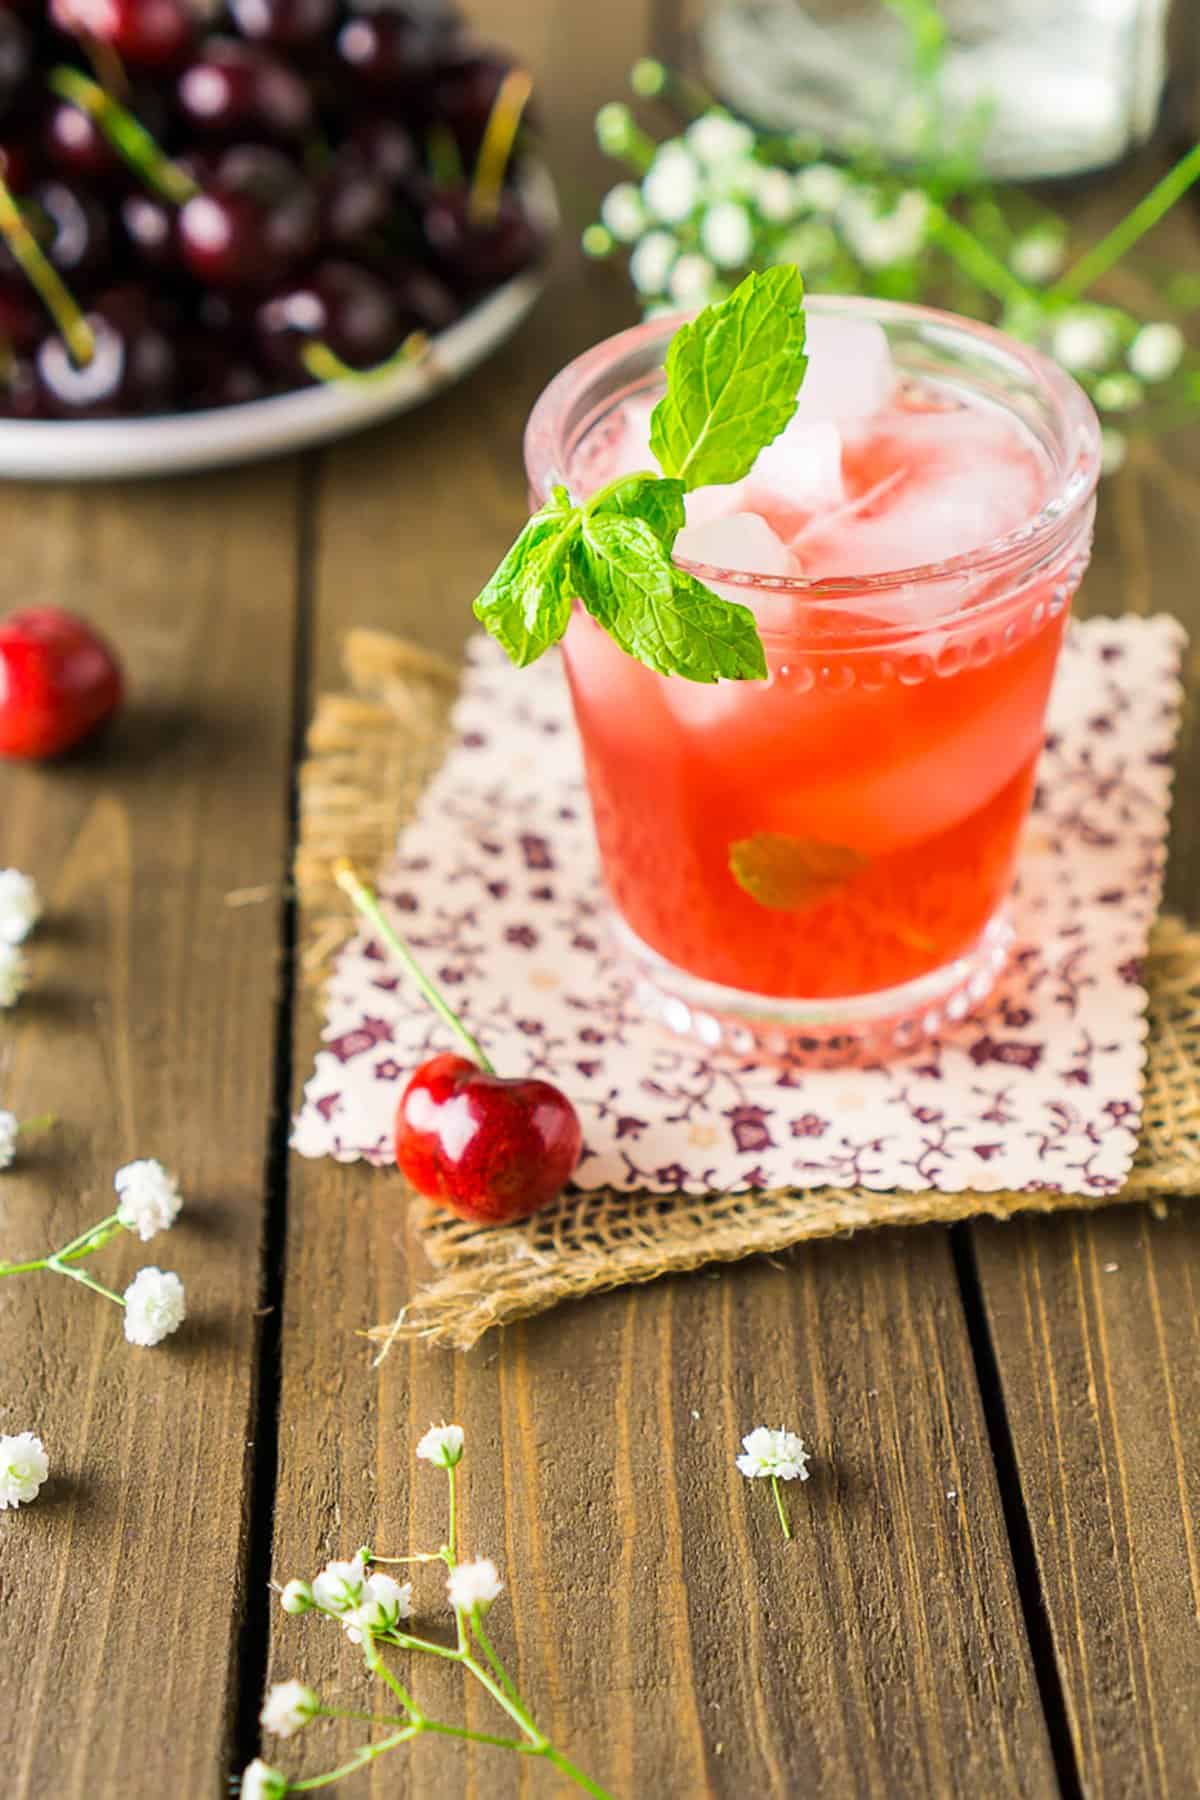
<point x="324" y="364"/>
<point x="499" y="136"/>
<point x="44" y="278"/>
<point x="107" y="64"/>
<point x="366" y="901"/>
<point x="127" y="135"/>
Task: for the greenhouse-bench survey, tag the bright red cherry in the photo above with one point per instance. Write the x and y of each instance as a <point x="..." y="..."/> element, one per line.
<point x="492" y="1150"/>
<point x="59" y="682"/>
<point x="152" y="33"/>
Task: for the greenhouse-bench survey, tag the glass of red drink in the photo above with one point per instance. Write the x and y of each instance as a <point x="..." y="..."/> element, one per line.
<point x="820" y="862"/>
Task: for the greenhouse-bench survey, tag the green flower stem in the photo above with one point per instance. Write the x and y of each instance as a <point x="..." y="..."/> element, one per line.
<point x="325" y="365"/>
<point x="497" y="1667"/>
<point x="976" y="260"/>
<point x="378" y="1667"/>
<point x="1120" y="240"/>
<point x="362" y="1718"/>
<point x="127" y="135"/>
<point x="43" y="1122"/>
<point x="452" y="1527"/>
<point x="567" y="1768"/>
<point x="367" y="903"/>
<point x="476" y="1737"/>
<point x="367" y="1753"/>
<point x="44" y="278"/>
<point x="85" y="1280"/>
<point x="779" y="1506"/>
<point x="94" y="1238"/>
<point x="403" y="1641"/>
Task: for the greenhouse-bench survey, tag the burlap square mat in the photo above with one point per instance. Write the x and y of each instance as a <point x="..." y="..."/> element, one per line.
<point x="370" y="753"/>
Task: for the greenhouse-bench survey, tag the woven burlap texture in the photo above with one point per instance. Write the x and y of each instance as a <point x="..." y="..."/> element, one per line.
<point x="371" y="752"/>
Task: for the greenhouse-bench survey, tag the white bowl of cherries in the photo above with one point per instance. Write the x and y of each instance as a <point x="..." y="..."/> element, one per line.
<point x="233" y="229"/>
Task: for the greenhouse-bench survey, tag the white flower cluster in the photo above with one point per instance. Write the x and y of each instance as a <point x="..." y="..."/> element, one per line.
<point x="20" y="910"/>
<point x="708" y="207"/>
<point x="24" y="1466"/>
<point x="474" y="1584"/>
<point x="442" y="1445"/>
<point x="261" y="1782"/>
<point x="768" y="1453"/>
<point x="288" y="1707"/>
<point x="148" y="1198"/>
<point x="366" y="1605"/>
<point x="10" y="1130"/>
<point x="155" y="1306"/>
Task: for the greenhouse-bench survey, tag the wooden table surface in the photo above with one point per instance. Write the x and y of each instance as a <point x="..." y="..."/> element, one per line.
<point x="995" y="1584"/>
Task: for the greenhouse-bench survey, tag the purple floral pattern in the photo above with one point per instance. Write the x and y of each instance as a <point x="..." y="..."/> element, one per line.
<point x="495" y="885"/>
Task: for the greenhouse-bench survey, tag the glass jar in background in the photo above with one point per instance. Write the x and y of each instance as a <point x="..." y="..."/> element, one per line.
<point x="1070" y="85"/>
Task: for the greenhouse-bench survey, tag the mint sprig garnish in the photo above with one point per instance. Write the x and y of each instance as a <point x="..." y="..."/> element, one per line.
<point x="733" y="376"/>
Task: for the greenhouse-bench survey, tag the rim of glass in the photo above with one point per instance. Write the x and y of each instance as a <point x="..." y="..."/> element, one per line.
<point x="1077" y="460"/>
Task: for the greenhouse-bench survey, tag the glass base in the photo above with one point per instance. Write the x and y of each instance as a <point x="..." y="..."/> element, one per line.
<point x="825" y="1033"/>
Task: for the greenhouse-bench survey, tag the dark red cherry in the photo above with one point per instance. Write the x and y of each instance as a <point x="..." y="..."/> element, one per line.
<point x="131" y="370"/>
<point x="75" y="144"/>
<point x="148" y="33"/>
<point x="423" y="300"/>
<point x="386" y="148"/>
<point x="289" y="23"/>
<point x="16" y="60"/>
<point x="463" y="94"/>
<point x="491" y="1149"/>
<point x="23" y="320"/>
<point x="70" y="226"/>
<point x="149" y="225"/>
<point x="338" y="304"/>
<point x="480" y="253"/>
<point x="388" y="51"/>
<point x="216" y="371"/>
<point x="237" y="90"/>
<point x="356" y="204"/>
<point x="257" y="220"/>
<point x="16" y="165"/>
<point x="59" y="682"/>
<point x="20" y="395"/>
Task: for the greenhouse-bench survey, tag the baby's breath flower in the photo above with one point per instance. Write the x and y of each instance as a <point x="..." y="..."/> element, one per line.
<point x="727" y="234"/>
<point x="1112" y="450"/>
<point x="149" y="1198"/>
<point x="24" y="1466"/>
<point x="385" y="1603"/>
<point x="614" y="127"/>
<point x="774" y="194"/>
<point x="442" y="1445"/>
<point x="9" y="1132"/>
<point x="261" y="1782"/>
<point x="339" y="1586"/>
<point x="715" y="138"/>
<point x="821" y="187"/>
<point x="671" y="185"/>
<point x="1039" y="255"/>
<point x="691" y="280"/>
<point x="474" y="1584"/>
<point x="809" y="246"/>
<point x="1083" y="341"/>
<point x="880" y="239"/>
<point x="20" y="906"/>
<point x="1118" y="392"/>
<point x="597" y="241"/>
<point x="650" y="264"/>
<point x="623" y="212"/>
<point x="773" y="1453"/>
<point x="288" y="1707"/>
<point x="155" y="1306"/>
<point x="297" y="1597"/>
<point x="1156" y="351"/>
<point x="14" y="975"/>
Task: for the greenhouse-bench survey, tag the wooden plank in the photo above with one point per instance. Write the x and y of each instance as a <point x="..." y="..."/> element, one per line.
<point x="149" y="1031"/>
<point x="1096" y="1321"/>
<point x="656" y="1620"/>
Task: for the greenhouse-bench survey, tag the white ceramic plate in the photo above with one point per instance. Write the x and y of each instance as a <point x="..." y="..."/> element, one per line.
<point x="94" y="450"/>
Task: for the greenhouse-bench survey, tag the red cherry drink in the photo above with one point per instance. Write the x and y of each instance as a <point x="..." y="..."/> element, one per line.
<point x="824" y="856"/>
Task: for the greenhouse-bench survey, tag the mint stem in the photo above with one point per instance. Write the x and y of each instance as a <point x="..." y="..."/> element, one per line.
<point x="366" y="901"/>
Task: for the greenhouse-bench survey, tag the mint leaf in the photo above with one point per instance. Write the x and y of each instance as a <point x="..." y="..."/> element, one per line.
<point x="733" y="375"/>
<point x="668" y="620"/>
<point x="659" y="503"/>
<point x="788" y="874"/>
<point x="527" y="603"/>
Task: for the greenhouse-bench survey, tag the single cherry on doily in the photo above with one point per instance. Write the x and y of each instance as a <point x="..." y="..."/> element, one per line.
<point x="492" y="1148"/>
<point x="59" y="682"/>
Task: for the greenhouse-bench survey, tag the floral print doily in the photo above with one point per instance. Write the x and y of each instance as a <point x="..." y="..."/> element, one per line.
<point x="496" y="888"/>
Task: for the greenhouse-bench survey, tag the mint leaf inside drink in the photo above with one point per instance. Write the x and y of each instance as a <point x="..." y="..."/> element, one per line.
<point x="733" y="376"/>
